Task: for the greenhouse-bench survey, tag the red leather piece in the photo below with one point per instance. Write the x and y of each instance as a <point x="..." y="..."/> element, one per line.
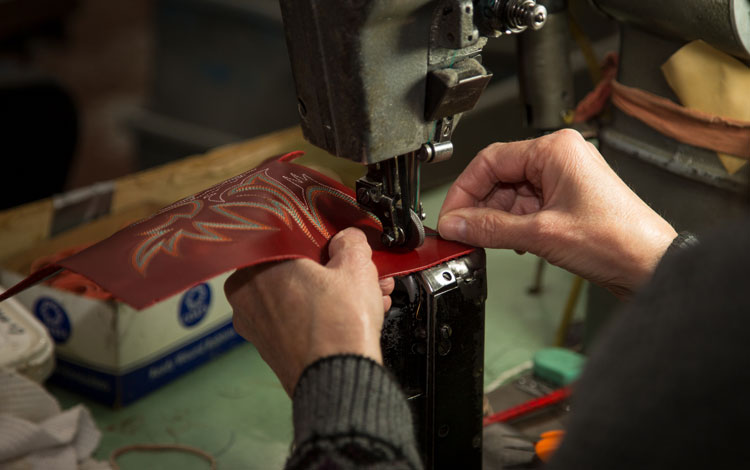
<point x="276" y="211"/>
<point x="70" y="281"/>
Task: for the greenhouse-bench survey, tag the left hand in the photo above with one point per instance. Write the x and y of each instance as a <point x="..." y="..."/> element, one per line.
<point x="298" y="311"/>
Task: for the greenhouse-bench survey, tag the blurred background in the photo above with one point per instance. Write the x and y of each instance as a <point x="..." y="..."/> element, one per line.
<point x="70" y="73"/>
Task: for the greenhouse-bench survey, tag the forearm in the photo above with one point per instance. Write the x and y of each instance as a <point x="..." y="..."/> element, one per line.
<point x="349" y="413"/>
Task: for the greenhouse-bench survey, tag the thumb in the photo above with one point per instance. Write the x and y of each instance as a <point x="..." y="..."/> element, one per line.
<point x="349" y="249"/>
<point x="489" y="228"/>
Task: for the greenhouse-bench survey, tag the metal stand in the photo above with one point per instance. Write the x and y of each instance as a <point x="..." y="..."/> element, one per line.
<point x="433" y="343"/>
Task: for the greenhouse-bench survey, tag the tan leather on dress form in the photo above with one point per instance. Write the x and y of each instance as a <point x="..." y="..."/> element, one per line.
<point x="708" y="80"/>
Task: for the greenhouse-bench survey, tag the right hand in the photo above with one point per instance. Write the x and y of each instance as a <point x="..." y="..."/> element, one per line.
<point x="556" y="197"/>
<point x="298" y="311"/>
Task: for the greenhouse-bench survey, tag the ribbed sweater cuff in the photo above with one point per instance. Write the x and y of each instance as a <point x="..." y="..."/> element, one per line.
<point x="351" y="395"/>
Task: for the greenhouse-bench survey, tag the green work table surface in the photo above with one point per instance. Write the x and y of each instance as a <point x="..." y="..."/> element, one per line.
<point x="234" y="408"/>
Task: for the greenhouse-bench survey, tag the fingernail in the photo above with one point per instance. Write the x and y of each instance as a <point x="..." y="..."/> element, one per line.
<point x="452" y="227"/>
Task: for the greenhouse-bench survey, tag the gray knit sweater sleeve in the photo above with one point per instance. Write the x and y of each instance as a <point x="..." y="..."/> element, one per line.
<point x="350" y="414"/>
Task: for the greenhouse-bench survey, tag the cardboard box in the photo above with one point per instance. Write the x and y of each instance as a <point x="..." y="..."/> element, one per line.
<point x="105" y="349"/>
<point x="114" y="354"/>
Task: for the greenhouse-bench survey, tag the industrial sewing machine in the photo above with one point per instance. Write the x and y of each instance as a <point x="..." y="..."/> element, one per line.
<point x="385" y="83"/>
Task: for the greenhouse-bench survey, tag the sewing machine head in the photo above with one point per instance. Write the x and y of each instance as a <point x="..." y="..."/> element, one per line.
<point x="384" y="83"/>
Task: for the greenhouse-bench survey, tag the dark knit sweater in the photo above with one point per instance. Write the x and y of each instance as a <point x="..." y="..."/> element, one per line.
<point x="666" y="385"/>
<point x="350" y="414"/>
<point x="664" y="388"/>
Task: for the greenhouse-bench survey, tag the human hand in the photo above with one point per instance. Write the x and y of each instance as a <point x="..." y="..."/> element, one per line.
<point x="298" y="311"/>
<point x="556" y="197"/>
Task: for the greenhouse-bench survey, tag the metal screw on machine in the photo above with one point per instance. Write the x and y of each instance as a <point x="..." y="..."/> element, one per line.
<point x="435" y="152"/>
<point x="390" y="190"/>
<point x="363" y="196"/>
<point x="516" y="16"/>
<point x="392" y="236"/>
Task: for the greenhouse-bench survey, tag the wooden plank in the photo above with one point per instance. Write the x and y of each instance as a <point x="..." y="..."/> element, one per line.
<point x="24" y="226"/>
<point x="84" y="235"/>
<point x="173" y="181"/>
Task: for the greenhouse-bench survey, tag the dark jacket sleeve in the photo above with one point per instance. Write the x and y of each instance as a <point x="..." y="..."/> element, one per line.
<point x="666" y="384"/>
<point x="349" y="414"/>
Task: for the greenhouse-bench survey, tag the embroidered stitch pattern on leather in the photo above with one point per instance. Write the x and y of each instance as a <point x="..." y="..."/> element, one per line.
<point x="227" y="200"/>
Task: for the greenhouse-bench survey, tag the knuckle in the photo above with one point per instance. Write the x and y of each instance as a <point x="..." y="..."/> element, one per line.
<point x="570" y="136"/>
<point x="564" y="140"/>
<point x="347" y="239"/>
<point x="567" y="147"/>
<point x="336" y="243"/>
<point x="358" y="258"/>
<point x="356" y="247"/>
<point x="299" y="266"/>
<point x="352" y="235"/>
<point x="364" y="253"/>
<point x="387" y="284"/>
<point x="489" y="152"/>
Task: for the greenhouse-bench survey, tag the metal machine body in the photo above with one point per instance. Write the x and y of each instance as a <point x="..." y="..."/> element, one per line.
<point x="687" y="185"/>
<point x="385" y="82"/>
<point x="725" y="24"/>
<point x="647" y="40"/>
<point x="433" y="343"/>
<point x="545" y="74"/>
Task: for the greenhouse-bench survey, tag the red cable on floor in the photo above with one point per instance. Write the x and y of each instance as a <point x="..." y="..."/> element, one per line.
<point x="528" y="407"/>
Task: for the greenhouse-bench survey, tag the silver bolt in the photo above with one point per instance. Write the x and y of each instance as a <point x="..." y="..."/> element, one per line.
<point x="536" y="17"/>
<point x="388" y="237"/>
<point x="515" y="16"/>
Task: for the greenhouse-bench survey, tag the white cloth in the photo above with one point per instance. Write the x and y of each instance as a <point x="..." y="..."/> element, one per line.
<point x="35" y="434"/>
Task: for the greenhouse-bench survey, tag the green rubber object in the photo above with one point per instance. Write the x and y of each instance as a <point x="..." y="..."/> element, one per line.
<point x="558" y="366"/>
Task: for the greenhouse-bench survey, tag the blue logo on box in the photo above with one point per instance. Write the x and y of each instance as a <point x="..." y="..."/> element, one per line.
<point x="195" y="304"/>
<point x="53" y="316"/>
